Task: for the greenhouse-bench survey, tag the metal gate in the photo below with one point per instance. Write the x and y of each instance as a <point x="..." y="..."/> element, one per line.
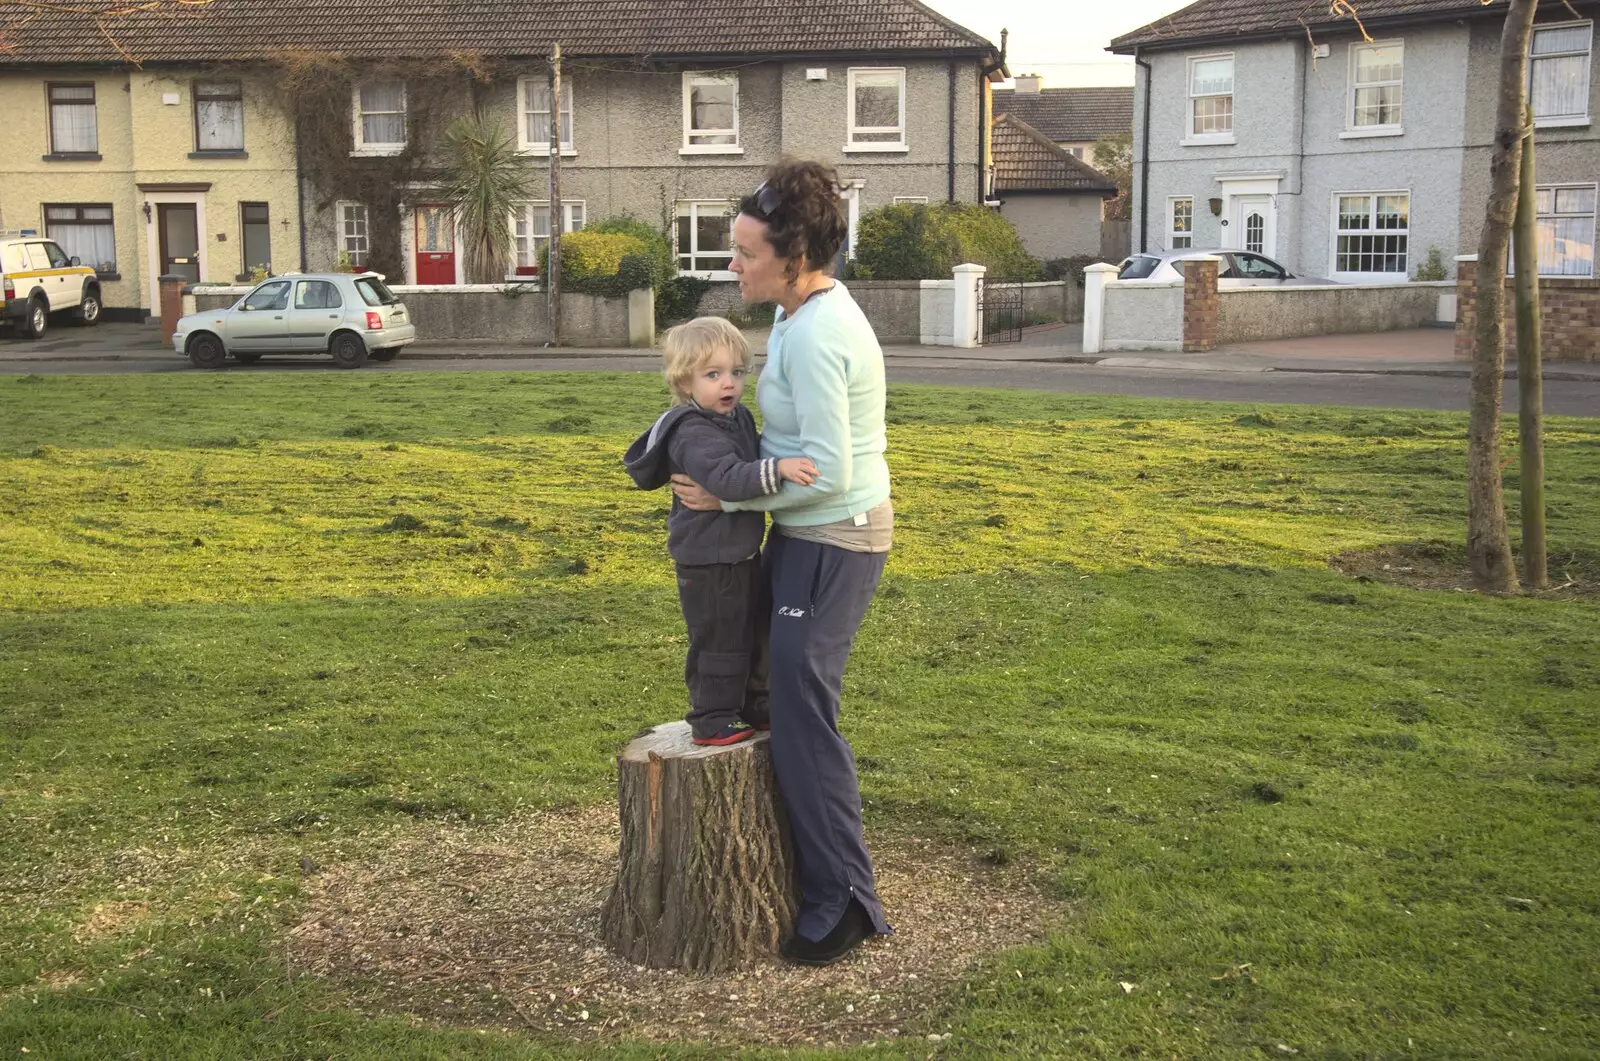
<point x="1000" y="310"/>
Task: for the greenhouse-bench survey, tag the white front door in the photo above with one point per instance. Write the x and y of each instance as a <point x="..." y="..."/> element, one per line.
<point x="1254" y="225"/>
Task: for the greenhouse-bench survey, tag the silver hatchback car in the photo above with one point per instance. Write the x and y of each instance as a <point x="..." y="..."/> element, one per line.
<point x="351" y="316"/>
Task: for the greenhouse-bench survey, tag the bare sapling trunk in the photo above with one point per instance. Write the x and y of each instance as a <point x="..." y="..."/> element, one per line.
<point x="552" y="279"/>
<point x="1488" y="540"/>
<point x="705" y="875"/>
<point x="1530" y="373"/>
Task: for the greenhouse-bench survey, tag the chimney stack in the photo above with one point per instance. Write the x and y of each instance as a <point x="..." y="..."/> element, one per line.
<point x="1029" y="84"/>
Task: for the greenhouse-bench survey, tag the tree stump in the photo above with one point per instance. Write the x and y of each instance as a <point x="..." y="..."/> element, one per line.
<point x="705" y="876"/>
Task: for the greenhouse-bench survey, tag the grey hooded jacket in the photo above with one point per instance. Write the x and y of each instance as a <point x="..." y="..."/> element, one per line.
<point x="722" y="454"/>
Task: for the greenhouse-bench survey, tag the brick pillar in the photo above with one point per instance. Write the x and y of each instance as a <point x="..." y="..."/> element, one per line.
<point x="1201" y="306"/>
<point x="1466" y="303"/>
<point x="171" y="305"/>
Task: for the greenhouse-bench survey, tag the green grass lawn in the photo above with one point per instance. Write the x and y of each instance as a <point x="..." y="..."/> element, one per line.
<point x="250" y="618"/>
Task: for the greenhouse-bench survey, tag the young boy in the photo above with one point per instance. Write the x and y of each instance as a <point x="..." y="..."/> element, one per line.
<point x="710" y="436"/>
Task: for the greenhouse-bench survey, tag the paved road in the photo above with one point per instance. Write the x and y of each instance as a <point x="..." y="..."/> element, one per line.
<point x="1252" y="377"/>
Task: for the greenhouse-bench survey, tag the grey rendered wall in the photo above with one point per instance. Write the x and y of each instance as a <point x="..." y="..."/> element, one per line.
<point x="893" y="308"/>
<point x="628" y="131"/>
<point x="1061" y="299"/>
<point x="1055" y="226"/>
<point x="1249" y="314"/>
<point x="1266" y="120"/>
<point x="1288" y="116"/>
<point x="1560" y="155"/>
<point x="1425" y="161"/>
<point x="1143" y="317"/>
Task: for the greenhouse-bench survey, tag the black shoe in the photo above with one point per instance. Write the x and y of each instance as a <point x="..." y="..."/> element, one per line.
<point x="846" y="936"/>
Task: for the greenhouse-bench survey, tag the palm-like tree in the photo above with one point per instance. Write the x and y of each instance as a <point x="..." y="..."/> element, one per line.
<point x="483" y="177"/>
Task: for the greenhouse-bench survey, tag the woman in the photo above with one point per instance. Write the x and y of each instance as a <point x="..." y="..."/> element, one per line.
<point x="821" y="396"/>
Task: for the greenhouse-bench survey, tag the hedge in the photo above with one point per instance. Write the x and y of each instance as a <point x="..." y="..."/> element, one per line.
<point x="921" y="242"/>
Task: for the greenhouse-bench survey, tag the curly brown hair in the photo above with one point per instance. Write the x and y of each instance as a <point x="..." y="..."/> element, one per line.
<point x="799" y="203"/>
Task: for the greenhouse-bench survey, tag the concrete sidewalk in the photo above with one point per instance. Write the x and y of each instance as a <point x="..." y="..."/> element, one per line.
<point x="1418" y="352"/>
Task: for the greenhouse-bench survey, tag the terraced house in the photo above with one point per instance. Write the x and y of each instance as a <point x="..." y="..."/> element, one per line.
<point x="305" y="135"/>
<point x="1269" y="125"/>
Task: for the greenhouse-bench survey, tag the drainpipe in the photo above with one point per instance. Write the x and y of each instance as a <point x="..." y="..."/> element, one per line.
<point x="951" y="136"/>
<point x="1144" y="159"/>
<point x="300" y="203"/>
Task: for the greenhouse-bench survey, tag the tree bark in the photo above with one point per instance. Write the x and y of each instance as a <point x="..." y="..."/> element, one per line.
<point x="1530" y="374"/>
<point x="1488" y="540"/>
<point x="706" y="876"/>
<point x="552" y="280"/>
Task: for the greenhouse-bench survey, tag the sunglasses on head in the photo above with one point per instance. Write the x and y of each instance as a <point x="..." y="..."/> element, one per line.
<point x="767" y="201"/>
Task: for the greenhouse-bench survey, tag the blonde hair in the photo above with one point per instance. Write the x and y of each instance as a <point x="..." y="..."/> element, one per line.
<point x="686" y="348"/>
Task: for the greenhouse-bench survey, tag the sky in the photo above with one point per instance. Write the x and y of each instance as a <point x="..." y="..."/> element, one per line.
<point x="1062" y="40"/>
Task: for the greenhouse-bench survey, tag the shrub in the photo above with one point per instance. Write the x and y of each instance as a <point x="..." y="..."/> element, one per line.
<point x="633" y="272"/>
<point x="1433" y="268"/>
<point x="677" y="297"/>
<point x="918" y="242"/>
<point x="590" y="254"/>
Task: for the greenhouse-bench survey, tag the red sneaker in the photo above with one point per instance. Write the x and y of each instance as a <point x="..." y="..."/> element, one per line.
<point x="732" y="733"/>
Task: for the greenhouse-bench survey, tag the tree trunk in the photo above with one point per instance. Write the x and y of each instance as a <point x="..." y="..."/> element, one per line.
<point x="1530" y="374"/>
<point x="552" y="267"/>
<point x="1488" y="541"/>
<point x="705" y="877"/>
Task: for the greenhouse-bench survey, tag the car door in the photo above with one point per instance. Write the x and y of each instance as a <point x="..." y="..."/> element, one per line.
<point x="63" y="286"/>
<point x="260" y="321"/>
<point x="316" y="311"/>
<point x="1258" y="271"/>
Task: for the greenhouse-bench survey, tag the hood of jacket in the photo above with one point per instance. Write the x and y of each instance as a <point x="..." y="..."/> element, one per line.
<point x="646" y="460"/>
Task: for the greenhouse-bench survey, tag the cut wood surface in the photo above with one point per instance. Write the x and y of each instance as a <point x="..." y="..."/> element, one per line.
<point x="705" y="875"/>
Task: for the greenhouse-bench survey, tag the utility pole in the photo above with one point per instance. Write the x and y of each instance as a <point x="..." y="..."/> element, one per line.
<point x="552" y="279"/>
<point x="1530" y="384"/>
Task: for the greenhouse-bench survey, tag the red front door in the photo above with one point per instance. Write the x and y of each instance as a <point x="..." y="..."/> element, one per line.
<point x="436" y="245"/>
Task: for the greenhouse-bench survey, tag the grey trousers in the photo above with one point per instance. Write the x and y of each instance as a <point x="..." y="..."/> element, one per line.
<point x="725" y="608"/>
<point x="820" y="594"/>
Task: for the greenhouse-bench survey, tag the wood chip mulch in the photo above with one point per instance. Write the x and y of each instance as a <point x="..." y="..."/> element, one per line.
<point x="499" y="927"/>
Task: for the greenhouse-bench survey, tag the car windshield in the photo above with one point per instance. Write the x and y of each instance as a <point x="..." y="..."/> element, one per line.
<point x="1138" y="267"/>
<point x="374" y="292"/>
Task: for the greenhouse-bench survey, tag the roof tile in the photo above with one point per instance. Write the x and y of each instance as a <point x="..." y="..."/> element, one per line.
<point x="244" y="30"/>
<point x="1207" y="19"/>
<point x="1071" y="114"/>
<point x="1025" y="160"/>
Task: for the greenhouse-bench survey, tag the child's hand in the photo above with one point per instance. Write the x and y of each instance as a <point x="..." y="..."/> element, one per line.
<point x="798" y="470"/>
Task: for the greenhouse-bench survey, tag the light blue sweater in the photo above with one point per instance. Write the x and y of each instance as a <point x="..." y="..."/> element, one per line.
<point x="822" y="396"/>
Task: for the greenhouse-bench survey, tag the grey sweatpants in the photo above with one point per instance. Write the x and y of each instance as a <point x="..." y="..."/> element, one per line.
<point x="725" y="609"/>
<point x="820" y="594"/>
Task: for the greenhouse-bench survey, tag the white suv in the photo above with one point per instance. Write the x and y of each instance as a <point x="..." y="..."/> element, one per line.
<point x="38" y="279"/>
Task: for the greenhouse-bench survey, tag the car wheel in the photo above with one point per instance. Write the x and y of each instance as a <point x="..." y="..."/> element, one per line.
<point x="206" y="351"/>
<point x="348" y="350"/>
<point x="89" y="310"/>
<point x="247" y="359"/>
<point x="35" y="320"/>
<point x="385" y="355"/>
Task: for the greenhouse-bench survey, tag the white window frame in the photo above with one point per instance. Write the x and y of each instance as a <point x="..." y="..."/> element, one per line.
<point x="376" y="149"/>
<point x="341" y="218"/>
<point x="853" y="145"/>
<point x="1560" y="120"/>
<point x="1190" y="137"/>
<point x="574" y="216"/>
<point x="1552" y="189"/>
<point x="1334" y="233"/>
<point x="709" y="77"/>
<point x="542" y="147"/>
<point x="1351" y="129"/>
<point x="727" y="206"/>
<point x="1173" y="235"/>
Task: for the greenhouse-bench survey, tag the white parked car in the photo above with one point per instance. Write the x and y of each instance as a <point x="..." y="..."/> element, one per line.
<point x="1237" y="269"/>
<point x="352" y="317"/>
